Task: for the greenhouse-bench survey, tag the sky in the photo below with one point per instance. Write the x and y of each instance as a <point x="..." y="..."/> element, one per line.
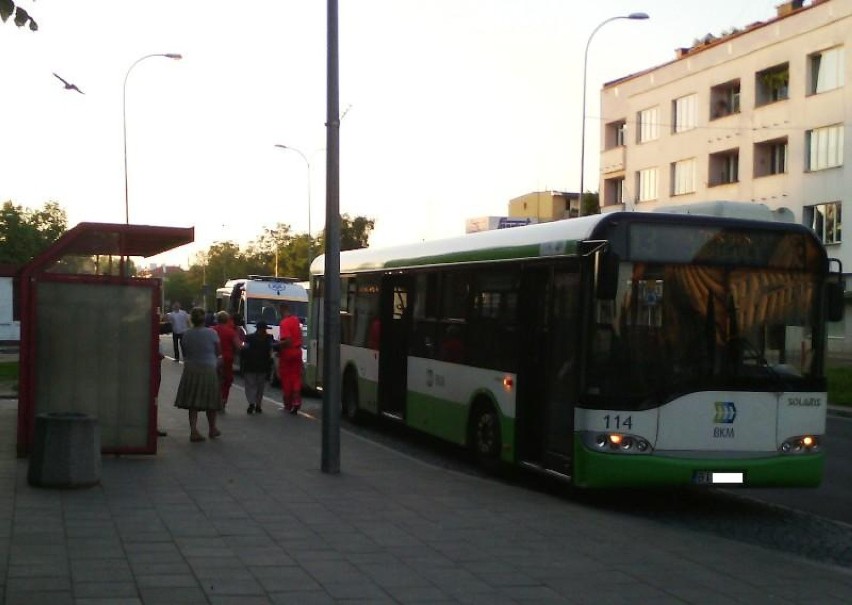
<point x="450" y="107"/>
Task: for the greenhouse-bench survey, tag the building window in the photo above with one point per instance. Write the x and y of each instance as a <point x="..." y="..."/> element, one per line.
<point x="724" y="167"/>
<point x="683" y="177"/>
<point x="825" y="220"/>
<point x="684" y="113"/>
<point x="614" y="191"/>
<point x="649" y="125"/>
<point x="770" y="157"/>
<point x="725" y="99"/>
<point x="615" y="134"/>
<point x="825" y="70"/>
<point x="646" y="184"/>
<point x="824" y="147"/>
<point x="772" y="84"/>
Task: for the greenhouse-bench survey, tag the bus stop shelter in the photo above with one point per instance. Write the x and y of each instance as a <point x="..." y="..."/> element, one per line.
<point x="90" y="332"/>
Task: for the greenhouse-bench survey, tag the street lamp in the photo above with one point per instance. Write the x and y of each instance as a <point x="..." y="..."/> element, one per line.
<point x="124" y="117"/>
<point x="634" y="16"/>
<point x="308" y="166"/>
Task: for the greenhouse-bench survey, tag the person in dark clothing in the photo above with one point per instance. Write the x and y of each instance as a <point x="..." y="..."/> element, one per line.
<point x="256" y="363"/>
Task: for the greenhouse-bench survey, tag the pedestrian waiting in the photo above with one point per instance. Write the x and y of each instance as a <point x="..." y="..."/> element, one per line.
<point x="256" y="365"/>
<point x="199" y="383"/>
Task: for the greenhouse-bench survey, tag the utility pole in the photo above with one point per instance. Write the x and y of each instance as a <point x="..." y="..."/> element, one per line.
<point x="331" y="297"/>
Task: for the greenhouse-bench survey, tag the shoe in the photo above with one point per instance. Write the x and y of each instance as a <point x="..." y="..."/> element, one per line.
<point x="162" y="433"/>
<point x="250" y="410"/>
<point x="257" y="410"/>
<point x="294" y="410"/>
<point x="196" y="438"/>
<point x="215" y="433"/>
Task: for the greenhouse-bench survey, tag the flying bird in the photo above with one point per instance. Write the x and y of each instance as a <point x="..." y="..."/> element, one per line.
<point x="68" y="85"/>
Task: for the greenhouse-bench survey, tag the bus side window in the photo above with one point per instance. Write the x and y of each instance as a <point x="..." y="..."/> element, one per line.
<point x="452" y="346"/>
<point x="493" y="323"/>
<point x="425" y="316"/>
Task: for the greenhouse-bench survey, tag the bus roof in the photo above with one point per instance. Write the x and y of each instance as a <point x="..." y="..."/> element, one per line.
<point x="544" y="239"/>
<point x="557" y="238"/>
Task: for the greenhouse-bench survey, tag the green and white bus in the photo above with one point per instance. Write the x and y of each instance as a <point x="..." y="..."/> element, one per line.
<point x="620" y="349"/>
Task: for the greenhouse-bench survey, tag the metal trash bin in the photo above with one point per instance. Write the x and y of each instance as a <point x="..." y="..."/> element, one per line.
<point x="66" y="451"/>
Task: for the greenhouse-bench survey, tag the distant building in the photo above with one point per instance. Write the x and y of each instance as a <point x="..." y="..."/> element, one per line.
<point x="488" y="223"/>
<point x="160" y="271"/>
<point x="545" y="206"/>
<point x="758" y="115"/>
<point x="10" y="325"/>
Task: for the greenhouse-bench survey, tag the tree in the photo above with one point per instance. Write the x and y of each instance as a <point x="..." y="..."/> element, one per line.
<point x="354" y="232"/>
<point x="277" y="247"/>
<point x="590" y="204"/>
<point x="22" y="17"/>
<point x="178" y="287"/>
<point x="24" y="233"/>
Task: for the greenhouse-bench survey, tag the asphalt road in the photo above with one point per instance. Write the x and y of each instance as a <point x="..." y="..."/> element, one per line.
<point x="833" y="499"/>
<point x="813" y="523"/>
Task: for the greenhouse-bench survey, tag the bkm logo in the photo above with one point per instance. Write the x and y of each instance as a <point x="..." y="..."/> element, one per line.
<point x="726" y="412"/>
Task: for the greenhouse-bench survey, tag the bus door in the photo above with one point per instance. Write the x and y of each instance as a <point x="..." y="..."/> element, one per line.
<point x="547" y="382"/>
<point x="395" y="303"/>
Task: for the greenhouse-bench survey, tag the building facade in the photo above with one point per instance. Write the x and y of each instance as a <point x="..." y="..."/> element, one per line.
<point x="545" y="206"/>
<point x="759" y="115"/>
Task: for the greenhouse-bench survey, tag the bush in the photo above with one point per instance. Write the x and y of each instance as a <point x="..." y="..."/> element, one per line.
<point x="9" y="371"/>
<point x="839" y="386"/>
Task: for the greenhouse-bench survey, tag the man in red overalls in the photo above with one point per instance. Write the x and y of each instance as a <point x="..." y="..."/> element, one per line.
<point x="230" y="344"/>
<point x="290" y="359"/>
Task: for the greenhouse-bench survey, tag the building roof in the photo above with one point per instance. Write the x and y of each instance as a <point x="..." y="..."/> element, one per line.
<point x="710" y="41"/>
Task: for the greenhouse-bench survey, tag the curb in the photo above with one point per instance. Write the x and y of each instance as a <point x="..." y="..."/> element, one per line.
<point x="844" y="412"/>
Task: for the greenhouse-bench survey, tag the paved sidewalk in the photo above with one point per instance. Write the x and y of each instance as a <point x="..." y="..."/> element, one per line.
<point x="249" y="518"/>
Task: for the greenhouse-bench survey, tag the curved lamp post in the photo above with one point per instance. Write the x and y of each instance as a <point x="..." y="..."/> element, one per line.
<point x="308" y="166"/>
<point x="634" y="16"/>
<point x="124" y="117"/>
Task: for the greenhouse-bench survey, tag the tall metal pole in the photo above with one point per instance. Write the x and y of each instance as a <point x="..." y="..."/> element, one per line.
<point x="124" y="123"/>
<point x="635" y="16"/>
<point x="331" y="298"/>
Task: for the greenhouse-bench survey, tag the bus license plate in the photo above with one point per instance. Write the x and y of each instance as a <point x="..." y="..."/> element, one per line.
<point x="717" y="478"/>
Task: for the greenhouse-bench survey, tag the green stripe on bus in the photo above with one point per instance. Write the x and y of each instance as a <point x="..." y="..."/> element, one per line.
<point x="438" y="417"/>
<point x="567" y="248"/>
<point x="596" y="469"/>
<point x="448" y="420"/>
<point x="368" y="395"/>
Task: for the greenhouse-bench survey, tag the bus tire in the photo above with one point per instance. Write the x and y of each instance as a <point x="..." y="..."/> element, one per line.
<point x="349" y="398"/>
<point x="485" y="439"/>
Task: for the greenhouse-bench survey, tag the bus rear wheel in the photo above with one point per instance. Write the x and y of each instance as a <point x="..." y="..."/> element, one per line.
<point x="485" y="438"/>
<point x="349" y="397"/>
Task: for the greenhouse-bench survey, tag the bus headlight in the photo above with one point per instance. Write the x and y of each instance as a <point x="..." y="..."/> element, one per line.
<point x="803" y="444"/>
<point x="617" y="443"/>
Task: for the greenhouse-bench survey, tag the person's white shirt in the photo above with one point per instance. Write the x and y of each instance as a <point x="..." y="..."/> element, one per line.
<point x="179" y="320"/>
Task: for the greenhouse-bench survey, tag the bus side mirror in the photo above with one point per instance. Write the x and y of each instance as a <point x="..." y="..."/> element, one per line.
<point x="607" y="288"/>
<point x="834" y="301"/>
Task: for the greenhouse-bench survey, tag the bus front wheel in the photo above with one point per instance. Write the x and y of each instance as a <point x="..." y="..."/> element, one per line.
<point x="349" y="397"/>
<point x="485" y="438"/>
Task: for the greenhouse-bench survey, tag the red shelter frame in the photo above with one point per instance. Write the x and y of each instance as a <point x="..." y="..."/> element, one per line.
<point x="82" y="297"/>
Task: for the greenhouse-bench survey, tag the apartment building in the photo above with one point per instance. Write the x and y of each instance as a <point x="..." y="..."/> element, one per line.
<point x="759" y="115"/>
<point x="545" y="206"/>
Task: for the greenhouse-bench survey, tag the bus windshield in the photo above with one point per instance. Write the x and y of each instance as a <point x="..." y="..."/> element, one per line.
<point x="678" y="328"/>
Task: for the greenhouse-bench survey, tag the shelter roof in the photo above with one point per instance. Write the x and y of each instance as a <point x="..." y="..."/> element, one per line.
<point x="114" y="239"/>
